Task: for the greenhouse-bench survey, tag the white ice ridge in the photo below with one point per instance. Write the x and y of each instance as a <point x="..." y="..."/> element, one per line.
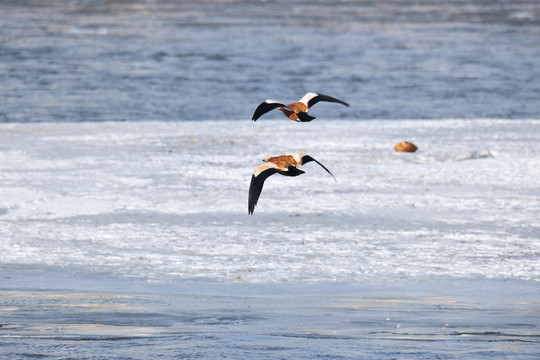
<point x="169" y="200"/>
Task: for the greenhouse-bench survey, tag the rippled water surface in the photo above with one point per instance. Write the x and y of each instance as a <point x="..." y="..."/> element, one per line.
<point x="176" y="60"/>
<point x="446" y="320"/>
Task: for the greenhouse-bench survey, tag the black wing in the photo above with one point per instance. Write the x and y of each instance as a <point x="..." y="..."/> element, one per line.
<point x="293" y="171"/>
<point x="308" y="158"/>
<point x="304" y="116"/>
<point x="265" y="107"/>
<point x="257" y="182"/>
<point x="322" y="97"/>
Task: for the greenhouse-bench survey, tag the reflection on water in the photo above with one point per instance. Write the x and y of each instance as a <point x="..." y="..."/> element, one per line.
<point x="157" y="60"/>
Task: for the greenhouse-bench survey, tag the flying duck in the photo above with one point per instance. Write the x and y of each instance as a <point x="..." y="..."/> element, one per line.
<point x="286" y="165"/>
<point x="296" y="111"/>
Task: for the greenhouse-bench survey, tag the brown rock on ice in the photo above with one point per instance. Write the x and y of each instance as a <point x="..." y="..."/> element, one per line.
<point x="405" y="146"/>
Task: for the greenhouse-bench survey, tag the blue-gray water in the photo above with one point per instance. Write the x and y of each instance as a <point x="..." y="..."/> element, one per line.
<point x="176" y="60"/>
<point x="49" y="314"/>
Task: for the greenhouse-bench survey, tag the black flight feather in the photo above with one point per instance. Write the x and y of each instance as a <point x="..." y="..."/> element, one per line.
<point x="307" y="158"/>
<point x="265" y="107"/>
<point x="322" y="97"/>
<point x="256" y="186"/>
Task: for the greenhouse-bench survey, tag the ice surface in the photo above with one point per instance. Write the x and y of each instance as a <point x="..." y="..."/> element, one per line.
<point x="168" y="201"/>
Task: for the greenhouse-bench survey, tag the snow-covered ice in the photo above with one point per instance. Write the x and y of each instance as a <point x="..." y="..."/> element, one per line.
<point x="133" y="241"/>
<point x="167" y="201"/>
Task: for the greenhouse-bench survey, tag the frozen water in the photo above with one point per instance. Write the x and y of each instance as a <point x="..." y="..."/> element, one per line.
<point x="168" y="201"/>
<point x="132" y="241"/>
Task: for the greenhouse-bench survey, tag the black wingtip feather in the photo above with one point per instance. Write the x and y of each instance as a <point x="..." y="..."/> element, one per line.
<point x="308" y="158"/>
<point x="322" y="97"/>
<point x="254" y="193"/>
<point x="265" y="107"/>
<point x="256" y="186"/>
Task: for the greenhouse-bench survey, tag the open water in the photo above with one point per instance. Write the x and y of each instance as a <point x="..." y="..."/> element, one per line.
<point x="449" y="319"/>
<point x="103" y="60"/>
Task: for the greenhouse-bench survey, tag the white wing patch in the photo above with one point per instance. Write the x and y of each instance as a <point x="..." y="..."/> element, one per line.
<point x="279" y="103"/>
<point x="259" y="169"/>
<point x="298" y="156"/>
<point x="308" y="97"/>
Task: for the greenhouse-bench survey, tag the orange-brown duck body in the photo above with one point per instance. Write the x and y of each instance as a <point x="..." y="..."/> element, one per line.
<point x="286" y="165"/>
<point x="296" y="111"/>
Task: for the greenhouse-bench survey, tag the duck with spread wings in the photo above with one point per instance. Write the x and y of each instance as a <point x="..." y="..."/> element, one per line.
<point x="287" y="165"/>
<point x="296" y="111"/>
